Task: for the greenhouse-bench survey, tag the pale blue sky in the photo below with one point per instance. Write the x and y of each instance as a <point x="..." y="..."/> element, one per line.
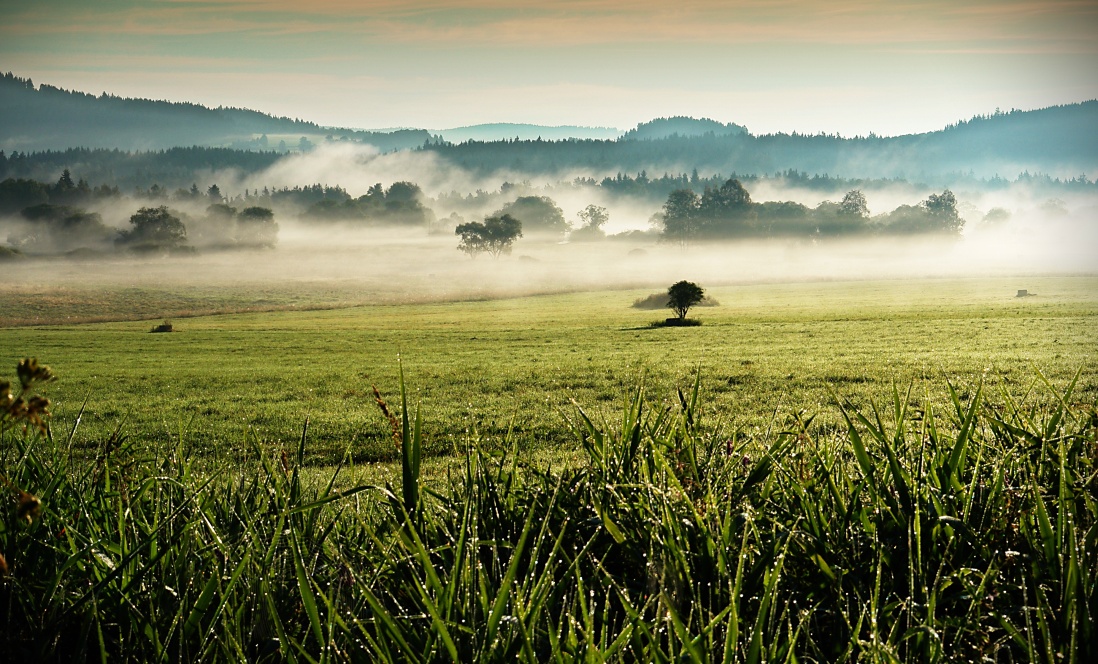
<point x="847" y="66"/>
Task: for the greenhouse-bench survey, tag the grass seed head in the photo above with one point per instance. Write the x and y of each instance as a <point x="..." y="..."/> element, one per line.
<point x="37" y="412"/>
<point x="29" y="507"/>
<point x="31" y="373"/>
<point x="394" y="423"/>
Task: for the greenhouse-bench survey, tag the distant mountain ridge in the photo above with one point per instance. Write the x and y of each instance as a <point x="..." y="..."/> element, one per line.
<point x="51" y="118"/>
<point x="505" y="131"/>
<point x="1061" y="141"/>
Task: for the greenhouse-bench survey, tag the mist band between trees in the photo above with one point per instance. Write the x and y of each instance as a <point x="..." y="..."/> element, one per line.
<point x="51" y="218"/>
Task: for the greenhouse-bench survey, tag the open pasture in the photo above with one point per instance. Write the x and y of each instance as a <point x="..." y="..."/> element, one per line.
<point x="958" y="529"/>
<point x="487" y="366"/>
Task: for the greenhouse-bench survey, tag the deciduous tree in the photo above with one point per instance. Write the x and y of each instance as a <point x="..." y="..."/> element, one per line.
<point x="854" y="205"/>
<point x="538" y="214"/>
<point x="256" y="227"/>
<point x="682" y="295"/>
<point x="680" y="216"/>
<point x="495" y="236"/>
<point x="592" y="218"/>
<point x="154" y="228"/>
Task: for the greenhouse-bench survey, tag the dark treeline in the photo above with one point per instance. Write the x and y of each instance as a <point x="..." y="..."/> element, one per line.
<point x="46" y="116"/>
<point x="1003" y="144"/>
<point x="723" y="208"/>
<point x="53" y="219"/>
<point x="1060" y="140"/>
<point x="727" y="212"/>
<point x="174" y="174"/>
<point x="402" y="203"/>
<point x="641" y="185"/>
<point x="19" y="193"/>
<point x="173" y="167"/>
<point x="47" y="229"/>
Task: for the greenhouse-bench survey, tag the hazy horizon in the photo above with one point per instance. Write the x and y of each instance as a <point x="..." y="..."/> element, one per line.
<point x="846" y="68"/>
<point x="809" y="67"/>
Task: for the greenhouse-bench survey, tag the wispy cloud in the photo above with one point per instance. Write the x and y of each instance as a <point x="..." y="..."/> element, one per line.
<point x="1020" y="26"/>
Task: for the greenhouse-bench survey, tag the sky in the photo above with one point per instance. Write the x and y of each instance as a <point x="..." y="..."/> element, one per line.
<point x="850" y="67"/>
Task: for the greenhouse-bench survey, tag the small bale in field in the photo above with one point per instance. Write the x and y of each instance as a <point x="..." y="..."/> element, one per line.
<point x="1022" y="293"/>
<point x="166" y="326"/>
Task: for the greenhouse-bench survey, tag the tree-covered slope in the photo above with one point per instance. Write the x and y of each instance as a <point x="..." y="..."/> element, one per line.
<point x="1061" y="140"/>
<point x="45" y="117"/>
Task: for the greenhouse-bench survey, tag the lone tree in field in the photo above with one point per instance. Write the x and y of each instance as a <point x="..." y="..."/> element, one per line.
<point x="683" y="295"/>
<point x="256" y="227"/>
<point x="154" y="228"/>
<point x="495" y="236"/>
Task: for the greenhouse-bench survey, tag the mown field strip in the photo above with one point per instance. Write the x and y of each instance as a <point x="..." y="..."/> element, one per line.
<point x="492" y="365"/>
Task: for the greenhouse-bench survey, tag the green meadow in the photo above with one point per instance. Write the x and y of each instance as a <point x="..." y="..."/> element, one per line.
<point x="885" y="471"/>
<point x="518" y="364"/>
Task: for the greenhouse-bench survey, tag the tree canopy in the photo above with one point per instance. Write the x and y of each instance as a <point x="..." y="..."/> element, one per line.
<point x="937" y="214"/>
<point x="154" y="228"/>
<point x="728" y="212"/>
<point x="538" y="214"/>
<point x="256" y="227"/>
<point x="682" y="295"/>
<point x="725" y="211"/>
<point x="680" y="216"/>
<point x="495" y="236"/>
<point x="53" y="228"/>
<point x="592" y="218"/>
<point x="402" y="204"/>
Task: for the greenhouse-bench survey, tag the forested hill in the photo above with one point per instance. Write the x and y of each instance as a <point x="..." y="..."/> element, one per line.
<point x="50" y="118"/>
<point x="1061" y="140"/>
<point x="680" y="126"/>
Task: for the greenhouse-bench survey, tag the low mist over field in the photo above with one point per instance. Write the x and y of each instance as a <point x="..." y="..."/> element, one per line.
<point x="338" y="264"/>
<point x="1028" y="226"/>
<point x="337" y="216"/>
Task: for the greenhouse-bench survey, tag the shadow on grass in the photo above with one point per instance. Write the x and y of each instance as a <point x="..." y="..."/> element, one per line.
<point x="670" y="322"/>
<point x="676" y="322"/>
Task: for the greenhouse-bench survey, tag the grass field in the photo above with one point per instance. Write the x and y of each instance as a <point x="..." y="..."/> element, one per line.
<point x="491" y="365"/>
<point x="745" y="518"/>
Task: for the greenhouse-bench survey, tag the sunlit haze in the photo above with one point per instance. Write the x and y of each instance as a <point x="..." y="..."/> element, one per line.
<point x="847" y="67"/>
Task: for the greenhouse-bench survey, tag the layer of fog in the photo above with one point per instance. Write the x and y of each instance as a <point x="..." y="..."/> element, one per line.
<point x="1026" y="233"/>
<point x="373" y="266"/>
<point x="357" y="167"/>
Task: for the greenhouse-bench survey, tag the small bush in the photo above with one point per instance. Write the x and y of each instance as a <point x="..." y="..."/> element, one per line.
<point x="677" y="322"/>
<point x="657" y="301"/>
